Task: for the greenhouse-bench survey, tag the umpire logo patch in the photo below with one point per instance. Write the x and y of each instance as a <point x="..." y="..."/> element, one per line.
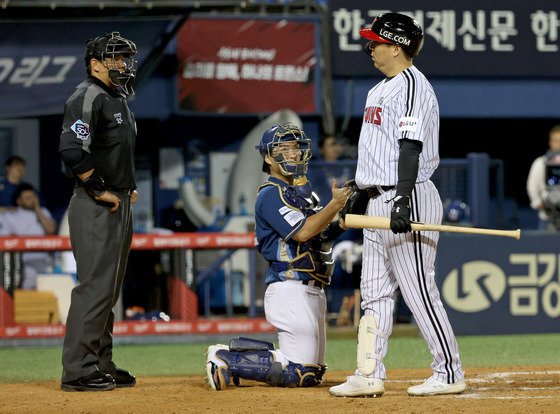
<point x="81" y="129"/>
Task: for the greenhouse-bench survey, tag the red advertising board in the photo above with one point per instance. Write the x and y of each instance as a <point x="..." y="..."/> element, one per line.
<point x="124" y="328"/>
<point x="139" y="242"/>
<point x="246" y="66"/>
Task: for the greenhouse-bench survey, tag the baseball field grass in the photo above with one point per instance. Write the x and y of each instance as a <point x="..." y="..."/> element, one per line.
<point x="43" y="364"/>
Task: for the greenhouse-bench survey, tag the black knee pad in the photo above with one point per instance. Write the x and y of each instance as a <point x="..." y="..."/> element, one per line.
<point x="275" y="375"/>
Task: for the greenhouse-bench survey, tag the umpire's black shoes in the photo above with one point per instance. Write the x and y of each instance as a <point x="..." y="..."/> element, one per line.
<point x="96" y="381"/>
<point x="124" y="378"/>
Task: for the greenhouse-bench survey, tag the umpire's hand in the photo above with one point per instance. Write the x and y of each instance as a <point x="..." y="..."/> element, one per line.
<point x="134" y="197"/>
<point x="111" y="199"/>
<point x="400" y="215"/>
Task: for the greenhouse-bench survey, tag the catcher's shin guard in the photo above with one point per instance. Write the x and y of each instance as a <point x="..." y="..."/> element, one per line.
<point x="252" y="365"/>
<point x="261" y="366"/>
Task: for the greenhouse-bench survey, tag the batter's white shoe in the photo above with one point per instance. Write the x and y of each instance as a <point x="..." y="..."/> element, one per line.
<point x="217" y="375"/>
<point x="358" y="386"/>
<point x="434" y="387"/>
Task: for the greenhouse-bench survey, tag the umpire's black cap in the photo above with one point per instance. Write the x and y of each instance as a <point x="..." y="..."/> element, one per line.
<point x="108" y="45"/>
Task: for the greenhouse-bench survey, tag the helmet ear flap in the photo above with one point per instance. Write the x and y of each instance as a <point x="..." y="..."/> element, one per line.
<point x="367" y="48"/>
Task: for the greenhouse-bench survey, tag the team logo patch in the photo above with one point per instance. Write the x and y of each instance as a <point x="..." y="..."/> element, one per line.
<point x="81" y="129"/>
<point x="292" y="217"/>
<point x="408" y="123"/>
<point x="285" y="210"/>
<point x="118" y="117"/>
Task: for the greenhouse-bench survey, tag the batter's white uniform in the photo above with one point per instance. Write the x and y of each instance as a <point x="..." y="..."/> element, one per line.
<point x="404" y="106"/>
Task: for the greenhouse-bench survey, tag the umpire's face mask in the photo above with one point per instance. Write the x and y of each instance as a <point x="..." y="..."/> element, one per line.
<point x="122" y="71"/>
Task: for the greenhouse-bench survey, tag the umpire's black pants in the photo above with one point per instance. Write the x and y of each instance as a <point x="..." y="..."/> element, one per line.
<point x="101" y="243"/>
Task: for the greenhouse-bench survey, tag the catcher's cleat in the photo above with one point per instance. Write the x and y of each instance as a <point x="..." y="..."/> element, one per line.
<point x="358" y="386"/>
<point x="434" y="387"/>
<point x="217" y="375"/>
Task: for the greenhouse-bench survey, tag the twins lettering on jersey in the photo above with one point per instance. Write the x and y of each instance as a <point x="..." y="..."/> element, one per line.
<point x="372" y="114"/>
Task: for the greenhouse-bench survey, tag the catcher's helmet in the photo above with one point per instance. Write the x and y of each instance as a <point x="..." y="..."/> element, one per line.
<point x="110" y="46"/>
<point x="270" y="144"/>
<point x="395" y="28"/>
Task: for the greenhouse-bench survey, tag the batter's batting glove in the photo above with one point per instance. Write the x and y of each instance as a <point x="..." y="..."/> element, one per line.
<point x="400" y="215"/>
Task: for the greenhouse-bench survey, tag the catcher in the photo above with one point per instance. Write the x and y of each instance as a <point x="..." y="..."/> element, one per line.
<point x="294" y="234"/>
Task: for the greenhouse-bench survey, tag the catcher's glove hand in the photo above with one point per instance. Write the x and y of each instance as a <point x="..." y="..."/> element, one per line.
<point x="400" y="215"/>
<point x="357" y="202"/>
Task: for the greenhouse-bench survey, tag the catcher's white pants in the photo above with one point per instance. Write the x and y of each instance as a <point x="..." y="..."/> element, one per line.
<point x="297" y="311"/>
<point x="407" y="260"/>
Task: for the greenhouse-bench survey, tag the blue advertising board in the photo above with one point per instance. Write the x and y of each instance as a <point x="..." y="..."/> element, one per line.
<point x="497" y="285"/>
<point x="41" y="62"/>
<point x="498" y="38"/>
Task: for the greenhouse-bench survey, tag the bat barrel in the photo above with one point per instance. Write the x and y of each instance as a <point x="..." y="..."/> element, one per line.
<point x="365" y="222"/>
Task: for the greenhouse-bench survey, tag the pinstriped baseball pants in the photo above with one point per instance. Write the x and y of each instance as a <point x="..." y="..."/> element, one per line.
<point x="408" y="261"/>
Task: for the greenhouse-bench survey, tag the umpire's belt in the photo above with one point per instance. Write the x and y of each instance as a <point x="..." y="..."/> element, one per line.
<point x="128" y="191"/>
<point x="376" y="191"/>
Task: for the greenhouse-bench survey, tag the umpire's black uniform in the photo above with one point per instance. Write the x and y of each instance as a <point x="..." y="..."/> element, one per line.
<point x="98" y="133"/>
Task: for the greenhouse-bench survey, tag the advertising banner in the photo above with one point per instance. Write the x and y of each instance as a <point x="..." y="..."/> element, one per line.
<point x="475" y="38"/>
<point x="498" y="286"/>
<point x="246" y="66"/>
<point x="42" y="62"/>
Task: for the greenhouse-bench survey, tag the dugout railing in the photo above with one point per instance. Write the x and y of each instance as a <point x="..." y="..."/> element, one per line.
<point x="183" y="302"/>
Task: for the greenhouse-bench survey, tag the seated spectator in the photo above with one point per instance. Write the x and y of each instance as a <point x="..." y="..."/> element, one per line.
<point x="325" y="168"/>
<point x="29" y="219"/>
<point x="15" y="170"/>
<point x="331" y="148"/>
<point x="538" y="188"/>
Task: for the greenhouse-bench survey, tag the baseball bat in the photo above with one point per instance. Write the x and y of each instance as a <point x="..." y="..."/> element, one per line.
<point x="357" y="221"/>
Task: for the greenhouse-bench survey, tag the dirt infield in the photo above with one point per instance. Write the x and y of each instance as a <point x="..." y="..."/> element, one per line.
<point x="515" y="389"/>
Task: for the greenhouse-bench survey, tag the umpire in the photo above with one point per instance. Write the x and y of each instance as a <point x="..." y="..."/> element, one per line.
<point x="97" y="147"/>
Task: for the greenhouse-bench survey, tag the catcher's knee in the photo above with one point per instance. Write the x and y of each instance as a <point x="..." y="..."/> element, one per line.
<point x="298" y="375"/>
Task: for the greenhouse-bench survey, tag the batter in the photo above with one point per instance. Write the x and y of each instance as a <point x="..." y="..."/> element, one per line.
<point x="398" y="153"/>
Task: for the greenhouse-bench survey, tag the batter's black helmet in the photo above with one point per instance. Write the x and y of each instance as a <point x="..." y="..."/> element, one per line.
<point x="395" y="28"/>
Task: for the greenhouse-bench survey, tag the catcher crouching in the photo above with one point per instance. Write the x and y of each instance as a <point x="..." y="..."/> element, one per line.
<point x="294" y="234"/>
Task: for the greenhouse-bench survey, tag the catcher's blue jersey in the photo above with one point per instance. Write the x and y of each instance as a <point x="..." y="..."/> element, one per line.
<point x="279" y="214"/>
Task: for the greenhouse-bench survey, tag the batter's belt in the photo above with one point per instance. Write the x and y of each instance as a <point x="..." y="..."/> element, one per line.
<point x="376" y="191"/>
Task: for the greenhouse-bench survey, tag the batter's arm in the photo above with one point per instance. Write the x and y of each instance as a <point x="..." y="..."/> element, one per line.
<point x="409" y="156"/>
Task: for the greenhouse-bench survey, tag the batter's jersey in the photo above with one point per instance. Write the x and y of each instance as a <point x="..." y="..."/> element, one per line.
<point x="404" y="106"/>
